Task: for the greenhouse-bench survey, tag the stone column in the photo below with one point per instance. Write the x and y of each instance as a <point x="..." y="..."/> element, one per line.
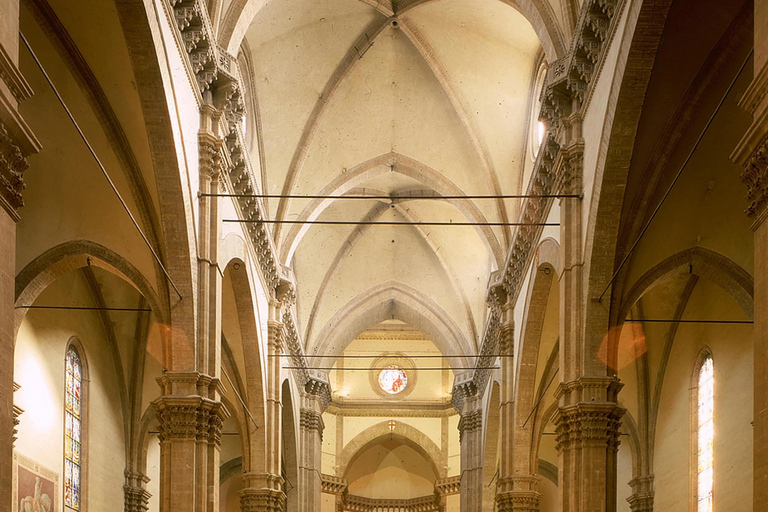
<point x="16" y="143"/>
<point x="314" y="400"/>
<point x="642" y="494"/>
<point x="752" y="155"/>
<point x="136" y="495"/>
<point x="189" y="424"/>
<point x="209" y="292"/>
<point x="469" y="405"/>
<point x="588" y="418"/>
<point x="263" y="490"/>
<point x="512" y="492"/>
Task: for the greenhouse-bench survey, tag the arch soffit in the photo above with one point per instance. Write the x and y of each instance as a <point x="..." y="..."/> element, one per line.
<point x="547" y="259"/>
<point x="391" y="162"/>
<point x="539" y="14"/>
<point x="381" y="302"/>
<point x="253" y="353"/>
<point x="410" y="435"/>
<point x="64" y="258"/>
<point x="722" y="271"/>
<point x="625" y="105"/>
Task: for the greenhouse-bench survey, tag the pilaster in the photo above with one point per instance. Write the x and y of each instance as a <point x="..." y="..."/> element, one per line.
<point x="315" y="398"/>
<point x="504" y="485"/>
<point x="16" y="143"/>
<point x="752" y="155"/>
<point x="471" y="440"/>
<point x="189" y="425"/>
<point x="587" y="425"/>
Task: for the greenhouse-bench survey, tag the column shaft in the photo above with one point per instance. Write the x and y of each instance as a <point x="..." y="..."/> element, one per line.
<point x="471" y="439"/>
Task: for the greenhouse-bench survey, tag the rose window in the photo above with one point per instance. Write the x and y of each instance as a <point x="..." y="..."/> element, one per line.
<point x="393" y="379"/>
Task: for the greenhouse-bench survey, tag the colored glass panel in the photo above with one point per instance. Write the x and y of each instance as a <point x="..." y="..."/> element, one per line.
<point x="72" y="438"/>
<point x="393" y="379"/>
<point x="706" y="436"/>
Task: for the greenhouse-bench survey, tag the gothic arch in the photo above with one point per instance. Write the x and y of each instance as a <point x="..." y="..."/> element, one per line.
<point x="722" y="271"/>
<point x="409" y="435"/>
<point x="547" y="261"/>
<point x="539" y="13"/>
<point x="62" y="259"/>
<point x="255" y="364"/>
<point x="377" y="166"/>
<point x="623" y="115"/>
<point x="387" y="300"/>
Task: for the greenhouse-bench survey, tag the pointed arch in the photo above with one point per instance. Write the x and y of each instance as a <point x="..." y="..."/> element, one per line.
<point x="406" y="433"/>
<point x="722" y="271"/>
<point x="401" y="164"/>
<point x="384" y="301"/>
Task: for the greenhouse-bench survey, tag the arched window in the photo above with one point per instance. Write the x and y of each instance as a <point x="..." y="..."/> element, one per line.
<point x="73" y="419"/>
<point x="704" y="425"/>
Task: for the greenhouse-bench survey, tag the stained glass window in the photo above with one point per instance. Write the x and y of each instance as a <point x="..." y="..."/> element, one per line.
<point x="706" y="436"/>
<point x="73" y="439"/>
<point x="393" y="379"/>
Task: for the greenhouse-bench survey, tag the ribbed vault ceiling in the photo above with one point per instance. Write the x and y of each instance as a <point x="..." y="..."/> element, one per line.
<point x="347" y="103"/>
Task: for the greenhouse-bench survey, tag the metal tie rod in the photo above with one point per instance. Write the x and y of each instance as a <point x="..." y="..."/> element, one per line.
<point x="681" y="321"/>
<point x="389" y="223"/>
<point x="420" y="196"/>
<point x="432" y="368"/>
<point x="82" y="308"/>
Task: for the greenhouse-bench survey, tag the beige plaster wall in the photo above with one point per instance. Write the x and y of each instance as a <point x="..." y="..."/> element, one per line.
<point x="731" y="348"/>
<point x="39" y="369"/>
<point x="391" y="470"/>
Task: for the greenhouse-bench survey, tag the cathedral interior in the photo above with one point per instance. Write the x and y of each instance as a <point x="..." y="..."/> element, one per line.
<point x="383" y="255"/>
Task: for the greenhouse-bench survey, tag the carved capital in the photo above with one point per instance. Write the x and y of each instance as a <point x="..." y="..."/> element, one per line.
<point x="642" y="502"/>
<point x="587" y="424"/>
<point x="518" y="501"/>
<point x="136" y="499"/>
<point x="569" y="179"/>
<point x="190" y="418"/>
<point x="262" y="500"/>
<point x="312" y="421"/>
<point x="755" y="177"/>
<point x="13" y="164"/>
<point x="262" y="492"/>
<point x="470" y="422"/>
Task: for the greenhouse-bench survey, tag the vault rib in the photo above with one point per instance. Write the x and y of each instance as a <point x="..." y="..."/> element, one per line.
<point x="539" y="14"/>
<point x="353" y="55"/>
<point x="462" y="110"/>
<point x="407" y="167"/>
<point x="376" y="212"/>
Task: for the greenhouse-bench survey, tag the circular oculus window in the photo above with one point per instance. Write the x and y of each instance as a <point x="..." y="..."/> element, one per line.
<point x="393" y="379"/>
